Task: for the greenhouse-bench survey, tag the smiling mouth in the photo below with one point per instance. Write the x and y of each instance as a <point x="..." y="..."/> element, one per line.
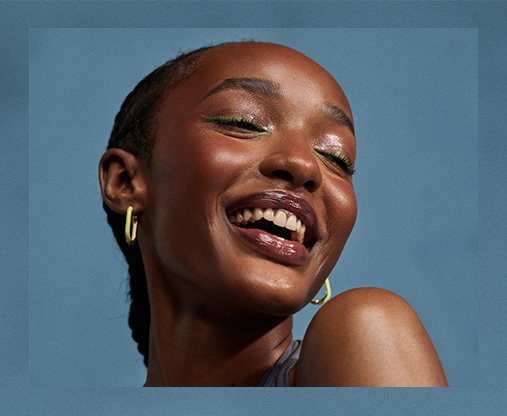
<point x="280" y="223"/>
<point x="276" y="224"/>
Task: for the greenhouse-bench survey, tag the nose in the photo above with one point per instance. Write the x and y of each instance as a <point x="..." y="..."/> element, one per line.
<point x="292" y="161"/>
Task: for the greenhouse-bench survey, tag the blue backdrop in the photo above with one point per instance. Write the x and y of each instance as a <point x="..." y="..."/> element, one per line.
<point x="443" y="250"/>
<point x="414" y="96"/>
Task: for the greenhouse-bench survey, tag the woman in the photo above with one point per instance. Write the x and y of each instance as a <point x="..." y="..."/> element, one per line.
<point x="228" y="184"/>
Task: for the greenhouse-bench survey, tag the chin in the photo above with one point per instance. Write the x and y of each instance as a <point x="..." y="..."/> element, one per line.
<point x="282" y="296"/>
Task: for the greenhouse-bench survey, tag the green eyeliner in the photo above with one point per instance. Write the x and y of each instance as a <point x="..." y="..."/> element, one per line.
<point x="338" y="159"/>
<point x="246" y="123"/>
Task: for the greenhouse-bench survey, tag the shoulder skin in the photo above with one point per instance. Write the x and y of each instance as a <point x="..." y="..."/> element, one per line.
<point x="368" y="337"/>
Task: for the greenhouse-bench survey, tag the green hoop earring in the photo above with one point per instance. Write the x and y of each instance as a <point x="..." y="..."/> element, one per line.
<point x="327" y="286"/>
<point x="130" y="222"/>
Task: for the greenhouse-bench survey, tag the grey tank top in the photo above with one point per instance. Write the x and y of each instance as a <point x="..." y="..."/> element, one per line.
<point x="278" y="375"/>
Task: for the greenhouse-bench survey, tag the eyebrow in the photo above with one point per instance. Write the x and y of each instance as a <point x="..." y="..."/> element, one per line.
<point x="269" y="88"/>
<point x="338" y="116"/>
<point x="253" y="85"/>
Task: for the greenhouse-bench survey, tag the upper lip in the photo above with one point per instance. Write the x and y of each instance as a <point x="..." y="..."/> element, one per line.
<point x="278" y="199"/>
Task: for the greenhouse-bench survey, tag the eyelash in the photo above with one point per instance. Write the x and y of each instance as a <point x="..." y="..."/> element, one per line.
<point x="240" y="123"/>
<point x="338" y="159"/>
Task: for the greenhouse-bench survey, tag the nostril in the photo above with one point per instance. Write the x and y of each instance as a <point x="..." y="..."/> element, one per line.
<point x="284" y="175"/>
<point x="310" y="186"/>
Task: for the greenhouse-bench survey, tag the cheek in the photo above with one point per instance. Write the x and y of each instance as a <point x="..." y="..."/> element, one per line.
<point x="203" y="162"/>
<point x="189" y="177"/>
<point x="343" y="211"/>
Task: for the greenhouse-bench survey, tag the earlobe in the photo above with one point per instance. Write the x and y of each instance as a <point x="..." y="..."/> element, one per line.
<point x="121" y="181"/>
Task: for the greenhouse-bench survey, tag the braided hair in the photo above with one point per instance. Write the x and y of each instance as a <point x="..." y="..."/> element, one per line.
<point x="133" y="131"/>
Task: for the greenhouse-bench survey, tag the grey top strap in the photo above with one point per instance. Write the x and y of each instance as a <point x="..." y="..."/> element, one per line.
<point x="278" y="375"/>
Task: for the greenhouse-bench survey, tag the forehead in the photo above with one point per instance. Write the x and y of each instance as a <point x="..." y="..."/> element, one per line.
<point x="299" y="77"/>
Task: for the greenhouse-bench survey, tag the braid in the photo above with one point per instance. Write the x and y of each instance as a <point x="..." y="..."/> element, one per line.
<point x="133" y="131"/>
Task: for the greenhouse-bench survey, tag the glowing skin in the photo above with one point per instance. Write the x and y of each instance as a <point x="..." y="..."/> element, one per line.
<point x="201" y="168"/>
<point x="259" y="127"/>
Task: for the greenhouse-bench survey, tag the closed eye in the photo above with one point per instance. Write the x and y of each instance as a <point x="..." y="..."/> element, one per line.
<point x="339" y="160"/>
<point x="240" y="124"/>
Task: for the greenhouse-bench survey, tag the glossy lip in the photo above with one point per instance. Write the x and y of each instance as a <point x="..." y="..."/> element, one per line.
<point x="286" y="251"/>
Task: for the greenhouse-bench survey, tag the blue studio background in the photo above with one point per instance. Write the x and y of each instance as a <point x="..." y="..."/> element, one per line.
<point x="414" y="97"/>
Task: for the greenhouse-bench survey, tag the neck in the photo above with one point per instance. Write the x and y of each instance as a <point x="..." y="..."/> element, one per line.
<point x="189" y="348"/>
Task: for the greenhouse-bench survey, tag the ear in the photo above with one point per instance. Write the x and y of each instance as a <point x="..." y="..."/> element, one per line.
<point x="122" y="178"/>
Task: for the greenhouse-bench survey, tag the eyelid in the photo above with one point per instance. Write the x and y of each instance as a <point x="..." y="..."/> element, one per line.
<point x="230" y="120"/>
<point x="338" y="159"/>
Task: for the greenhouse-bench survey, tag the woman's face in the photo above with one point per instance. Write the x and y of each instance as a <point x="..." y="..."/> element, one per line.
<point x="251" y="149"/>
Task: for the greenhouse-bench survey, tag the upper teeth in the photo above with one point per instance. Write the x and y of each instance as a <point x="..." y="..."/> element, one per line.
<point x="279" y="217"/>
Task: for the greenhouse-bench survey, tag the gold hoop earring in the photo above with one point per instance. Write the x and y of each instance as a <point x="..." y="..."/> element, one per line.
<point x="130" y="221"/>
<point x="327" y="286"/>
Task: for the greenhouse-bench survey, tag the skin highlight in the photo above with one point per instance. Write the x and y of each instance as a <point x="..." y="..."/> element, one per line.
<point x="256" y="120"/>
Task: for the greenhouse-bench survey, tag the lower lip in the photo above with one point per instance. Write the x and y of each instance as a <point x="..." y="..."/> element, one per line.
<point x="284" y="251"/>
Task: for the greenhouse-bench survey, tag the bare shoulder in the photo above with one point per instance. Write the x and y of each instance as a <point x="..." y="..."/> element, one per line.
<point x="368" y="337"/>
